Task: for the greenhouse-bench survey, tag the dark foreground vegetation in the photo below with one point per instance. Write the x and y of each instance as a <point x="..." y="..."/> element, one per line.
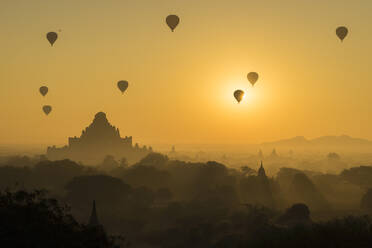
<point x="30" y="219"/>
<point x="159" y="202"/>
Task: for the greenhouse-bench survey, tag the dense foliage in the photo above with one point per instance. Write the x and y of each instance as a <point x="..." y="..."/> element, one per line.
<point x="159" y="202"/>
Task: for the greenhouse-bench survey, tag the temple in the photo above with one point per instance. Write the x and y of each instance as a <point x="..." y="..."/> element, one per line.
<point x="261" y="172"/>
<point x="97" y="141"/>
<point x="93" y="220"/>
<point x="264" y="189"/>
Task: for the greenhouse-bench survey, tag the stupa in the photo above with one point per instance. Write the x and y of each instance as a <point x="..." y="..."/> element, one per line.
<point x="97" y="141"/>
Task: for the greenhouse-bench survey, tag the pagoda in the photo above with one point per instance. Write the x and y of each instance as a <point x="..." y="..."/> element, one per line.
<point x="97" y="141"/>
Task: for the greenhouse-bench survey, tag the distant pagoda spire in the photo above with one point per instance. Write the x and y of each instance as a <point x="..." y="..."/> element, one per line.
<point x="173" y="150"/>
<point x="261" y="171"/>
<point x="273" y="153"/>
<point x="93" y="221"/>
<point x="260" y="154"/>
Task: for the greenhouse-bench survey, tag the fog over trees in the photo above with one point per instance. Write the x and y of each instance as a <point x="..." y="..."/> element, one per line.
<point x="162" y="202"/>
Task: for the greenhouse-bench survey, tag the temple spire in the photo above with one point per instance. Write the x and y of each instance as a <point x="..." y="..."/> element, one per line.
<point x="261" y="171"/>
<point x="93" y="221"/>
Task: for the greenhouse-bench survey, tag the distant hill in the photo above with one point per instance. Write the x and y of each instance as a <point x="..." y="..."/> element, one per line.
<point x="342" y="141"/>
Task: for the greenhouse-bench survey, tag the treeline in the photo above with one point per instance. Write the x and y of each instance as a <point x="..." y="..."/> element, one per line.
<point x="31" y="219"/>
<point x="168" y="203"/>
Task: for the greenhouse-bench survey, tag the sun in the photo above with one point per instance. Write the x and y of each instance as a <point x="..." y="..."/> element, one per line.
<point x="228" y="93"/>
<point x="245" y="96"/>
<point x="226" y="98"/>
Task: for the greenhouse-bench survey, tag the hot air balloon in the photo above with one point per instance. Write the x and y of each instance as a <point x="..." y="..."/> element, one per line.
<point x="238" y="94"/>
<point x="47" y="109"/>
<point x="43" y="90"/>
<point x="252" y="77"/>
<point x="172" y="21"/>
<point x="342" y="32"/>
<point x="52" y="37"/>
<point x="123" y="85"/>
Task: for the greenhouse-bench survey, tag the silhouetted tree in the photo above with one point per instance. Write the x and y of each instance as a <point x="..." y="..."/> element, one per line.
<point x="109" y="163"/>
<point x="20" y="161"/>
<point x="154" y="160"/>
<point x="366" y="202"/>
<point x="32" y="220"/>
<point x="333" y="156"/>
<point x="142" y="198"/>
<point x="303" y="190"/>
<point x="247" y="171"/>
<point x="123" y="163"/>
<point x="285" y="177"/>
<point x="55" y="174"/>
<point x="148" y="176"/>
<point x="297" y="214"/>
<point x="106" y="190"/>
<point x="361" y="176"/>
<point x="163" y="195"/>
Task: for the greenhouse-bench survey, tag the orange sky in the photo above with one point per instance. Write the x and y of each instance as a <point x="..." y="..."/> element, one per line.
<point x="181" y="84"/>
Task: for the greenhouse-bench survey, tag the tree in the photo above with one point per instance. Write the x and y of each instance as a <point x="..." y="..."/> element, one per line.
<point x="303" y="190"/>
<point x="109" y="162"/>
<point x="148" y="176"/>
<point x="55" y="174"/>
<point x="366" y="202"/>
<point x="299" y="213"/>
<point x="154" y="159"/>
<point x="333" y="156"/>
<point x="163" y="195"/>
<point x="247" y="171"/>
<point x="361" y="176"/>
<point x="142" y="198"/>
<point x="123" y="163"/>
<point x="106" y="190"/>
<point x="30" y="219"/>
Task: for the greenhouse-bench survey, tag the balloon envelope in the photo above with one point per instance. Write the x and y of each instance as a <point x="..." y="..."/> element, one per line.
<point x="43" y="90"/>
<point x="172" y="21"/>
<point x="238" y="94"/>
<point x="123" y="85"/>
<point x="252" y="77"/>
<point x="47" y="109"/>
<point x="52" y="37"/>
<point x="342" y="32"/>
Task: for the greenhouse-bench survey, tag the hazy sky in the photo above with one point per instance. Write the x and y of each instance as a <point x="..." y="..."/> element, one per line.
<point x="181" y="84"/>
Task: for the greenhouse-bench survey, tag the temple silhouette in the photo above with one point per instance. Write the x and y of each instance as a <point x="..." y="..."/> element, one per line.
<point x="97" y="141"/>
<point x="93" y="220"/>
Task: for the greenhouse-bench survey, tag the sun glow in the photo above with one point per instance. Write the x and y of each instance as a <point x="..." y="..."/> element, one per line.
<point x="251" y="98"/>
<point x="227" y="92"/>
